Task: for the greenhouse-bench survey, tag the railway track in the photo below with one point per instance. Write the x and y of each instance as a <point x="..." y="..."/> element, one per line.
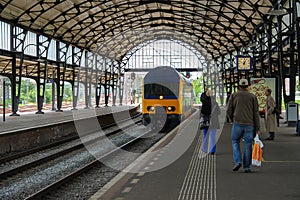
<point x="69" y="177"/>
<point x="15" y="174"/>
<point x="78" y="145"/>
<point x="18" y="155"/>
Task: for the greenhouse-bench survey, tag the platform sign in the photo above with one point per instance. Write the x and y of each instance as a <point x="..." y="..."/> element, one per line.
<point x="258" y="87"/>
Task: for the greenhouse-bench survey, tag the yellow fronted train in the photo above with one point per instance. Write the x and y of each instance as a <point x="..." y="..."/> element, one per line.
<point x="167" y="98"/>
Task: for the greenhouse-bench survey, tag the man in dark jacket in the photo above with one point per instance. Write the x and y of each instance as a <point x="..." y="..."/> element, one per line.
<point x="242" y="110"/>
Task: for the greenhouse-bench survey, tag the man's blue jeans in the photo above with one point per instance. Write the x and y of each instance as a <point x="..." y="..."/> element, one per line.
<point x="240" y="131"/>
<point x="209" y="135"/>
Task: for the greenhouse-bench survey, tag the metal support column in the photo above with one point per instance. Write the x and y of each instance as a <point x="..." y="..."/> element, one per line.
<point x="14" y="94"/>
<point x="98" y="80"/>
<point x="3" y="99"/>
<point x="98" y="91"/>
<point x="40" y="90"/>
<point x="76" y="76"/>
<point x="61" y="57"/>
<point x="53" y="95"/>
<point x="41" y="49"/>
<point x="292" y="66"/>
<point x="114" y="83"/>
<point x="17" y="42"/>
<point x="121" y="83"/>
<point x="87" y="80"/>
<point x="268" y="27"/>
<point x="106" y="84"/>
<point x="298" y="46"/>
<point x="281" y="83"/>
<point x="60" y="85"/>
<point x="74" y="88"/>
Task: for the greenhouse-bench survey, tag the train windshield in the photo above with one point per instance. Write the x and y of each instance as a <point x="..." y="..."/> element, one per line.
<point x="155" y="90"/>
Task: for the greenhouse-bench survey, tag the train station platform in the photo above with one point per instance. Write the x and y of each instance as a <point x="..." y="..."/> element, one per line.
<point x="29" y="120"/>
<point x="198" y="176"/>
<point x="30" y="130"/>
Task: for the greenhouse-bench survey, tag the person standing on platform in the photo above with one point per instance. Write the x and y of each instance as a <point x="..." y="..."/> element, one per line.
<point x="210" y="110"/>
<point x="227" y="99"/>
<point x="242" y="110"/>
<point x="206" y="103"/>
<point x="204" y="96"/>
<point x="270" y="116"/>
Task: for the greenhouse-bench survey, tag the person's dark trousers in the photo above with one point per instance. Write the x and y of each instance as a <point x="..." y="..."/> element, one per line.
<point x="271" y="136"/>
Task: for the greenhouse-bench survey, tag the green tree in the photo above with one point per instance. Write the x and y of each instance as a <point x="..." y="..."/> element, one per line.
<point x="28" y="91"/>
<point x="48" y="93"/>
<point x="68" y="92"/>
<point x="198" y="87"/>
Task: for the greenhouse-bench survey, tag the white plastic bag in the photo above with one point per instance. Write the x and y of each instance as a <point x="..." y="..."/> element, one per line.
<point x="257" y="140"/>
<point x="257" y="151"/>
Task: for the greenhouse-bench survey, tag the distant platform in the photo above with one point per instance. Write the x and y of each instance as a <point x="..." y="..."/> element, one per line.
<point x="29" y="120"/>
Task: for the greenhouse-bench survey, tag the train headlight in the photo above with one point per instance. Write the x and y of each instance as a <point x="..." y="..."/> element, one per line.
<point x="161" y="97"/>
<point x="171" y="108"/>
<point x="151" y="108"/>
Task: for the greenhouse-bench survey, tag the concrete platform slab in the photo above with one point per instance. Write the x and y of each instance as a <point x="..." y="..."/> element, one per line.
<point x="207" y="177"/>
<point x="31" y="130"/>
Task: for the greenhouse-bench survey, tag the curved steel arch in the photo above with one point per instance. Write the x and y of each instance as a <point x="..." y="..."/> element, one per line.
<point x="202" y="6"/>
<point x="177" y="28"/>
<point x="248" y="2"/>
<point x="201" y="46"/>
<point x="204" y="62"/>
<point x="85" y="13"/>
<point x="74" y="36"/>
<point x="191" y="33"/>
<point x="178" y="41"/>
<point x="143" y="11"/>
<point x="152" y="34"/>
<point x="149" y="40"/>
<point x="170" y="19"/>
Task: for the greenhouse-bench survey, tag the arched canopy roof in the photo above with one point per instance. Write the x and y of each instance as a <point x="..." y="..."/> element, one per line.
<point x="113" y="27"/>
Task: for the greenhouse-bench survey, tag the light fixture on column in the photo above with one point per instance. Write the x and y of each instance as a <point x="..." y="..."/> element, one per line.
<point x="277" y="11"/>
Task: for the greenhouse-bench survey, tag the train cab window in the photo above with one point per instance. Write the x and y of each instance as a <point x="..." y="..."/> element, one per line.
<point x="153" y="91"/>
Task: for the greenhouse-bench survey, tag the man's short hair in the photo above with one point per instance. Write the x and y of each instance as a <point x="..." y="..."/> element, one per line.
<point x="269" y="90"/>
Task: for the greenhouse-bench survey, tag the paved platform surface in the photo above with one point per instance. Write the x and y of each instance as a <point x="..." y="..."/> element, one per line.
<point x="208" y="177"/>
<point x="30" y="119"/>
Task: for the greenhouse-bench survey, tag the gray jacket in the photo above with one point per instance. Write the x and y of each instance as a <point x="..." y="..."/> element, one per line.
<point x="243" y="109"/>
<point x="270" y="118"/>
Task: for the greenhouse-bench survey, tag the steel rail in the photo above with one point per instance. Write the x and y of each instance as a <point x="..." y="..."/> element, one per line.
<point x="63" y="152"/>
